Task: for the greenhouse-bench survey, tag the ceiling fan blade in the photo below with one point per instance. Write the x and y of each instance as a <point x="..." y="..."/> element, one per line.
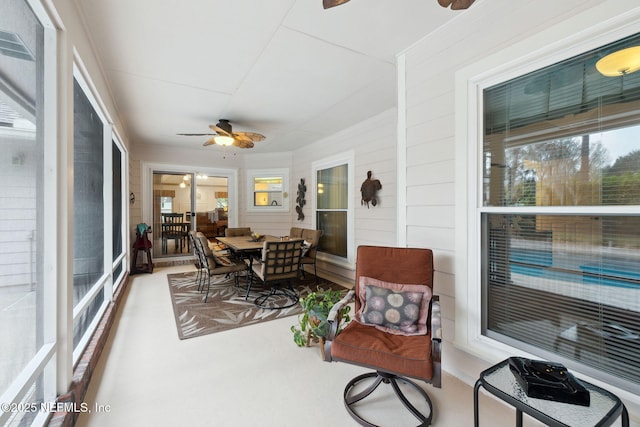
<point x="331" y="3"/>
<point x="195" y="134"/>
<point x="242" y="143"/>
<point x="461" y="4"/>
<point x="249" y="136"/>
<point x="456" y="4"/>
<point x="218" y="130"/>
<point x="210" y="141"/>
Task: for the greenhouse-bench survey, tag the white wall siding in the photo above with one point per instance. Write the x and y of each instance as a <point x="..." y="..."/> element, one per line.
<point x="374" y="144"/>
<point x="18" y="210"/>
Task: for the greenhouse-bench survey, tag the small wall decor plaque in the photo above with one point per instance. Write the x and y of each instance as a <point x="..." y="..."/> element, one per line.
<point x="302" y="189"/>
<point x="368" y="189"/>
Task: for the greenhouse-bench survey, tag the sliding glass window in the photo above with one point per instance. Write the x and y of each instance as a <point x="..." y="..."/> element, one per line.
<point x="561" y="215"/>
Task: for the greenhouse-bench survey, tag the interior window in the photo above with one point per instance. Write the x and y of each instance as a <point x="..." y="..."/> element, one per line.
<point x="267" y="190"/>
<point x="332" y="204"/>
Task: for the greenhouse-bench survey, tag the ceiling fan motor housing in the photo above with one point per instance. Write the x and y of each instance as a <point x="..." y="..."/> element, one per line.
<point x="224" y="125"/>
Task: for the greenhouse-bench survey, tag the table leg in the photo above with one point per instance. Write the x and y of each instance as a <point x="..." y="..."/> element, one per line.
<point x="476" y="388"/>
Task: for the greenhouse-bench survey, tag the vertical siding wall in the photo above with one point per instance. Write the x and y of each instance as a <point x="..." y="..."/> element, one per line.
<point x="18" y="209"/>
<point x="374" y="144"/>
<point x="431" y="64"/>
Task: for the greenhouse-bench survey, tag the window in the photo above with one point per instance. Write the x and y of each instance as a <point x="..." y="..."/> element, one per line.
<point x="88" y="214"/>
<point x="333" y="208"/>
<point x="559" y="215"/>
<point x="118" y="216"/>
<point x="27" y="240"/>
<point x="267" y="190"/>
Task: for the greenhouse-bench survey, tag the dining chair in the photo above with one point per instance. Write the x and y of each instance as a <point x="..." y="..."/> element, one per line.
<point x="200" y="259"/>
<point x="215" y="265"/>
<point x="239" y="231"/>
<point x="295" y="233"/>
<point x="396" y="330"/>
<point x="312" y="239"/>
<point x="172" y="229"/>
<point x="278" y="265"/>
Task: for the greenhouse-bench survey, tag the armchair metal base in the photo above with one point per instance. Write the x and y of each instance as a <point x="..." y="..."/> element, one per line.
<point x="387" y="378"/>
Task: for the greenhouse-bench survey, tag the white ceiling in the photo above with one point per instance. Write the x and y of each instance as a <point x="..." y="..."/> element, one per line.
<point x="285" y="68"/>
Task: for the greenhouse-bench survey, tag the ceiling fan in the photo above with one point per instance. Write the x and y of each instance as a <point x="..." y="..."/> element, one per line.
<point x="455" y="4"/>
<point x="224" y="135"/>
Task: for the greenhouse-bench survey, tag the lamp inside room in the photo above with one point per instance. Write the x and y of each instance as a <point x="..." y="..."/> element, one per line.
<point x="620" y="63"/>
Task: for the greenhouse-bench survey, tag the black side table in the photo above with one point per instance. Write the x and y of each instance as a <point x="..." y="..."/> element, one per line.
<point x="604" y="409"/>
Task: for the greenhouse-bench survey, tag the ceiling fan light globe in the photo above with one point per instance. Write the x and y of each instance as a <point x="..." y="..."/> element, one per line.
<point x="223" y="140"/>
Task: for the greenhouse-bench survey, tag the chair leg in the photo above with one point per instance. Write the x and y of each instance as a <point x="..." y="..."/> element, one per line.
<point x="208" y="287"/>
<point x="315" y="272"/>
<point x="249" y="284"/>
<point x="276" y="290"/>
<point x="379" y="378"/>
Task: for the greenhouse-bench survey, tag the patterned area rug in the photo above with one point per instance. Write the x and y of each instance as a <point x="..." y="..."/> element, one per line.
<point x="226" y="307"/>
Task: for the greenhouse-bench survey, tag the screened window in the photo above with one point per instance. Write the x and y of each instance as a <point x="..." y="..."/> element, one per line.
<point x="332" y="202"/>
<point x="118" y="212"/>
<point x="27" y="294"/>
<point x="88" y="213"/>
<point x="560" y="215"/>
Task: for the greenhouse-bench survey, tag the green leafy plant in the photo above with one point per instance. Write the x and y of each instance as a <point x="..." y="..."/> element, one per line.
<point x="313" y="325"/>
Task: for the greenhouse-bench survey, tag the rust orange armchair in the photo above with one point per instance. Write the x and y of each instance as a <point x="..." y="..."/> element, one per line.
<point x="396" y="328"/>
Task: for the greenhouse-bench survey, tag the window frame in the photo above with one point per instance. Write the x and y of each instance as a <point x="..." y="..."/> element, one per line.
<point x="347" y="158"/>
<point x="104" y="283"/>
<point x="546" y="48"/>
<point x="148" y="168"/>
<point x="121" y="259"/>
<point x="252" y="174"/>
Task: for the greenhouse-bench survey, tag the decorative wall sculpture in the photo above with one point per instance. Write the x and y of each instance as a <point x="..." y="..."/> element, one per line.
<point x="302" y="189"/>
<point x="368" y="189"/>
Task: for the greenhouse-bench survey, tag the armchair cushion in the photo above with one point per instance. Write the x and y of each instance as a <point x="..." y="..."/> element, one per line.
<point x="400" y="309"/>
<point x="370" y="347"/>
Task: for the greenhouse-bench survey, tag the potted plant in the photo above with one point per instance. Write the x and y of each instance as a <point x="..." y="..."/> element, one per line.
<point x="313" y="325"/>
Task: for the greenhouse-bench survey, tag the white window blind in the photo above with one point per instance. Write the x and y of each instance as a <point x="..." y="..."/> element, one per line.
<point x="561" y="215"/>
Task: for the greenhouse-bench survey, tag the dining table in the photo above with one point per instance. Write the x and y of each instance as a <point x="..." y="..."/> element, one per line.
<point x="247" y="248"/>
<point x="243" y="244"/>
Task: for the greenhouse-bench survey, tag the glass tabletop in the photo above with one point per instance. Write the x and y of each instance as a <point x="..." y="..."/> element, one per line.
<point x="604" y="406"/>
